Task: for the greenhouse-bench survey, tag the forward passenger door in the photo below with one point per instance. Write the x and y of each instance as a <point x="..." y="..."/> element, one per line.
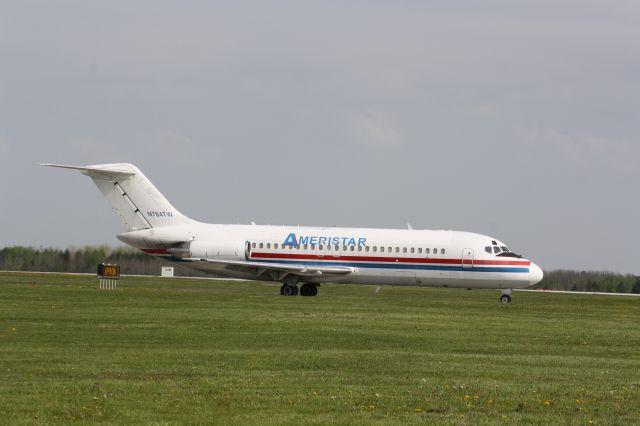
<point x="467" y="258"/>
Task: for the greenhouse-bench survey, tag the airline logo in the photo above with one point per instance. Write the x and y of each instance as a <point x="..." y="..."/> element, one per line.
<point x="294" y="240"/>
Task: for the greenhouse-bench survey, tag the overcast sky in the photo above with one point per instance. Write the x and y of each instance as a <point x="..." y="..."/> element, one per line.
<point x="519" y="120"/>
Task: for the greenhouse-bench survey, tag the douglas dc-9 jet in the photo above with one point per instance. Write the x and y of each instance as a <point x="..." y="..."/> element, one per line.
<point x="301" y="258"/>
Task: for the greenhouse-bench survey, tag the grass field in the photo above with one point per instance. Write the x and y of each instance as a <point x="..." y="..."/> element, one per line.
<point x="199" y="351"/>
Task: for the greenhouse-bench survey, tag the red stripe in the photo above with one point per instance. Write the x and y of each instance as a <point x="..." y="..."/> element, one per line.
<point x="155" y="251"/>
<point x="502" y="262"/>
<point x="295" y="256"/>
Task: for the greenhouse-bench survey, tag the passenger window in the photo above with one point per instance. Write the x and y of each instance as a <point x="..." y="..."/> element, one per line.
<point x="427" y="250"/>
<point x="441" y="251"/>
<point x="413" y="249"/>
<point x="419" y="249"/>
<point x="390" y="249"/>
<point x="366" y="248"/>
<point x="337" y="248"/>
<point x="435" y="251"/>
<point x="353" y="248"/>
<point x="344" y="248"/>
<point x="320" y="247"/>
<point x="253" y="245"/>
<point x="298" y="247"/>
<point x="313" y="246"/>
<point x="381" y="249"/>
<point x="397" y="249"/>
<point x="261" y="245"/>
<point x="275" y="246"/>
<point x="306" y="246"/>
<point x="268" y="245"/>
<point x="404" y="249"/>
<point x="375" y="248"/>
<point x="359" y="248"/>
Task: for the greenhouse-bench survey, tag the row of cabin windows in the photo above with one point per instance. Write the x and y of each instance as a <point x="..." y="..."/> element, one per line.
<point x="367" y="249"/>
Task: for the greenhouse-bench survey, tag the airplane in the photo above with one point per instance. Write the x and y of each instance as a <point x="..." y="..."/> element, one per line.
<point x="302" y="258"/>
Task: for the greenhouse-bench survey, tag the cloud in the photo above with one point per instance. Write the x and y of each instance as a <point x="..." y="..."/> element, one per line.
<point x="373" y="128"/>
<point x="86" y="145"/>
<point x="484" y="111"/>
<point x="590" y="150"/>
<point x="4" y="145"/>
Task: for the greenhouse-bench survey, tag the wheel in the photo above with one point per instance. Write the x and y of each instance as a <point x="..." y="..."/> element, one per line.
<point x="308" y="289"/>
<point x="505" y="298"/>
<point x="288" y="290"/>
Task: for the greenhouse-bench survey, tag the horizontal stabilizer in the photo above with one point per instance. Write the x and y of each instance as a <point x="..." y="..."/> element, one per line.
<point x="96" y="171"/>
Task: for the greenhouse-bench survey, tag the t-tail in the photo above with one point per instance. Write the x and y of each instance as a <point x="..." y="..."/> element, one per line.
<point x="134" y="199"/>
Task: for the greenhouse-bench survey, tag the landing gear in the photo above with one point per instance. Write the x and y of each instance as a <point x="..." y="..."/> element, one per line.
<point x="506" y="296"/>
<point x="308" y="289"/>
<point x="289" y="290"/>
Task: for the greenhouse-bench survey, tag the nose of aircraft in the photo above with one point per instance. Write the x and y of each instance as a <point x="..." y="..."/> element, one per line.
<point x="535" y="274"/>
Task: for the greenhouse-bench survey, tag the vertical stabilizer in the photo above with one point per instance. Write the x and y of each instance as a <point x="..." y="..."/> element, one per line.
<point x="135" y="200"/>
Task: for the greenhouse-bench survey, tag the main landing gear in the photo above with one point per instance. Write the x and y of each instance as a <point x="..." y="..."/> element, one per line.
<point x="289" y="290"/>
<point x="307" y="289"/>
<point x="506" y="296"/>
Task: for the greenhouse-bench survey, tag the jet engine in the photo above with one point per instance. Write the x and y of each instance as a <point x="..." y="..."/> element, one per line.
<point x="225" y="250"/>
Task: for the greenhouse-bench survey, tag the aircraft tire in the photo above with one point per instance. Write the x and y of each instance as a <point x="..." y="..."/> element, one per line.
<point x="505" y="298"/>
<point x="308" y="290"/>
<point x="288" y="290"/>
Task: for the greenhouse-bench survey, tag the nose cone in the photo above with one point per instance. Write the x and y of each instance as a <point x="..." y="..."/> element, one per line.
<point x="535" y="274"/>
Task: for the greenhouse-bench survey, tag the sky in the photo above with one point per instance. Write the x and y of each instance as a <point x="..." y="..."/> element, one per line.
<point x="518" y="120"/>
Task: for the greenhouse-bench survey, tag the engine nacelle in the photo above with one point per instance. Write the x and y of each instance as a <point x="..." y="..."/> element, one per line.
<point x="226" y="250"/>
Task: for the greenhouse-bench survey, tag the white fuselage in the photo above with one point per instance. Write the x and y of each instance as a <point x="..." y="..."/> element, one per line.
<point x="376" y="256"/>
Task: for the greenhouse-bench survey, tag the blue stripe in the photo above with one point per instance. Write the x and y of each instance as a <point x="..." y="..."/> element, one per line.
<point x="404" y="266"/>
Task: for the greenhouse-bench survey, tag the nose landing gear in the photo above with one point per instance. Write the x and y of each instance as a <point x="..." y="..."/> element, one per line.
<point x="506" y="296"/>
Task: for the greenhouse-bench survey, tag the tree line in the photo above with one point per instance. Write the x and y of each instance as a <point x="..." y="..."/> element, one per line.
<point x="135" y="262"/>
<point x="86" y="259"/>
<point x="607" y="282"/>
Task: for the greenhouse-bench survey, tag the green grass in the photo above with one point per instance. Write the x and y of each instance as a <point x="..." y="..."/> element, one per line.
<point x="197" y="351"/>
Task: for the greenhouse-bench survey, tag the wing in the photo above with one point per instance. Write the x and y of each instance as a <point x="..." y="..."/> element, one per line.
<point x="275" y="270"/>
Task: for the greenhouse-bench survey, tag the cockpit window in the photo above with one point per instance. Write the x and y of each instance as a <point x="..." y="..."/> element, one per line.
<point x="509" y="254"/>
<point x="496" y="249"/>
<point x="504" y="248"/>
<point x="488" y="249"/>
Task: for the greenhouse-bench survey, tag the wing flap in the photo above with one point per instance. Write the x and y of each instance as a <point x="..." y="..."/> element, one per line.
<point x="303" y="270"/>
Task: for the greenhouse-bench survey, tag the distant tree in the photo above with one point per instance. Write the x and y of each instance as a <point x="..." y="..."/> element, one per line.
<point x="636" y="287"/>
<point x="66" y="260"/>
